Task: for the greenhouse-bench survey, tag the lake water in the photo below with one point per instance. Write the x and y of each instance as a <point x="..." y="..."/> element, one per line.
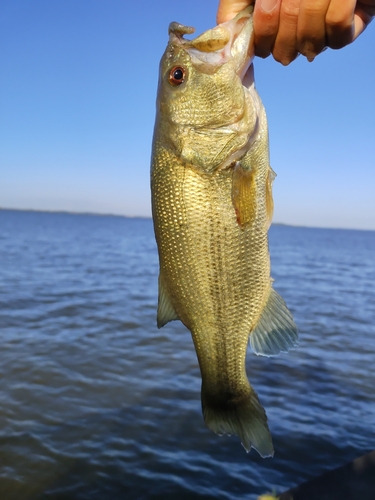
<point x="97" y="403"/>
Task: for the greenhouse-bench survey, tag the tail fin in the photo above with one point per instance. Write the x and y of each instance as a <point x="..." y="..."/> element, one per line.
<point x="243" y="416"/>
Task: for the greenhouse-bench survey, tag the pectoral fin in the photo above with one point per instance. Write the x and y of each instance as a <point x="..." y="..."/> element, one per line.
<point x="269" y="199"/>
<point x="244" y="195"/>
<point x="166" y="311"/>
<point x="276" y="331"/>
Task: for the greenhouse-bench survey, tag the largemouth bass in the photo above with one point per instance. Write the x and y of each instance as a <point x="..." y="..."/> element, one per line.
<point x="212" y="206"/>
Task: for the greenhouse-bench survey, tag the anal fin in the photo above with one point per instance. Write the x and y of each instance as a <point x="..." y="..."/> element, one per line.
<point x="166" y="311"/>
<point x="276" y="331"/>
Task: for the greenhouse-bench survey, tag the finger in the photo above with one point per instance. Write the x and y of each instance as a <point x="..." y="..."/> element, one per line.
<point x="311" y="29"/>
<point x="285" y="47"/>
<point x="363" y="15"/>
<point x="266" y="25"/>
<point x="230" y="8"/>
<point x="366" y="3"/>
<point x="340" y="23"/>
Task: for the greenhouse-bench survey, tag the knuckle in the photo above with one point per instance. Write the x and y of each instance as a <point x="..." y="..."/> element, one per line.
<point x="339" y="44"/>
<point x="264" y="31"/>
<point x="339" y="28"/>
<point x="262" y="55"/>
<point x="339" y="38"/>
<point x="290" y="10"/>
<point x="284" y="59"/>
<point x="338" y="20"/>
<point x="314" y="10"/>
<point x="310" y="46"/>
<point x="262" y="52"/>
<point x="263" y="45"/>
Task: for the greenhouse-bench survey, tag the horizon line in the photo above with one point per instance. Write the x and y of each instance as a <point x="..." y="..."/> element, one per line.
<point x="109" y="214"/>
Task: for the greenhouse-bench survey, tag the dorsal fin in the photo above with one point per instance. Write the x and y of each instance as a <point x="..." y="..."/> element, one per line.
<point x="276" y="331"/>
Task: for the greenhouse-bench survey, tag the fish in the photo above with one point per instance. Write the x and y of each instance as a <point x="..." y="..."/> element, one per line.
<point x="212" y="206"/>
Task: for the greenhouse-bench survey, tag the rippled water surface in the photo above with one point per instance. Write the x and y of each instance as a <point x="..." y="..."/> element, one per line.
<point x="96" y="402"/>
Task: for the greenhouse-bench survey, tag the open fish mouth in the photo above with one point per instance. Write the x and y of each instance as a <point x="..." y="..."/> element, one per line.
<point x="232" y="40"/>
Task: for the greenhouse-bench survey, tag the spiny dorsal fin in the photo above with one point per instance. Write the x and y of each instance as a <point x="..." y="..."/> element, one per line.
<point x="276" y="331"/>
<point x="166" y="311"/>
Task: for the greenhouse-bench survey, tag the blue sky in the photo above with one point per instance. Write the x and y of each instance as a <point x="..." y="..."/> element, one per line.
<point x="77" y="99"/>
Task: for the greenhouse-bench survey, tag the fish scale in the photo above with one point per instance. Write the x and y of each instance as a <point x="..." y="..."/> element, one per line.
<point x="212" y="203"/>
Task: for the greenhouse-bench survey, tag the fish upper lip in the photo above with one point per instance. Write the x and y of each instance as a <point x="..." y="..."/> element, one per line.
<point x="239" y="48"/>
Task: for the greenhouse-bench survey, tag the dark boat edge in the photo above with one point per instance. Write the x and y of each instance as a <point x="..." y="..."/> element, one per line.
<point x="352" y="481"/>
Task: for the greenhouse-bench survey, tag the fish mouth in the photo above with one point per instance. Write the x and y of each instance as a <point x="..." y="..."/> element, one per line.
<point x="232" y="40"/>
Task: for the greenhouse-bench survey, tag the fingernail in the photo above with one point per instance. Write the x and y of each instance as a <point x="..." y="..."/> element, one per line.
<point x="268" y="5"/>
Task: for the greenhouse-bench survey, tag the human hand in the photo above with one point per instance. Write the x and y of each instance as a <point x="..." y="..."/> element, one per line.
<point x="287" y="28"/>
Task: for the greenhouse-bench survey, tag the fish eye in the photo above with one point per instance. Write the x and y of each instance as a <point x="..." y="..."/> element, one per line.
<point x="176" y="75"/>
